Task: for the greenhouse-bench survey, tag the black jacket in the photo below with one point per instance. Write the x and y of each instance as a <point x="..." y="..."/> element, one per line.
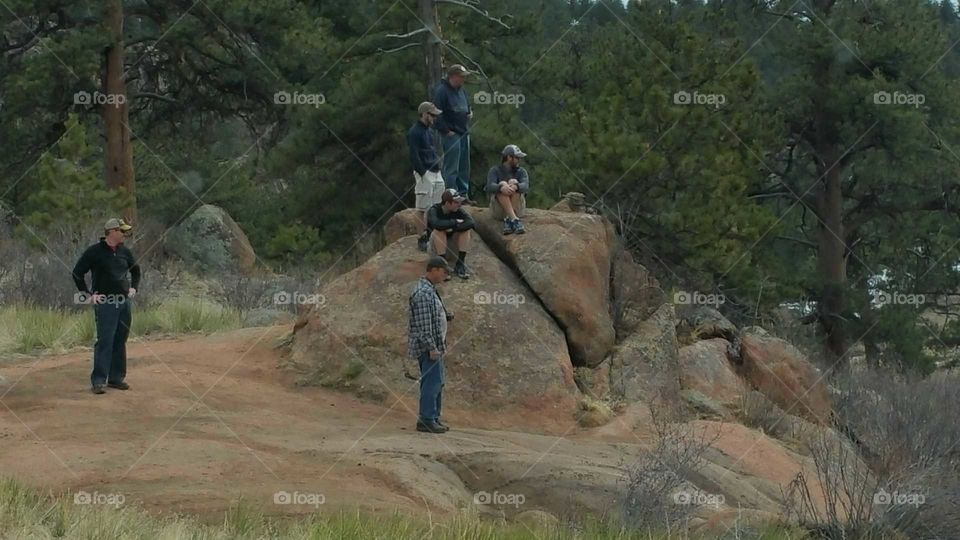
<point x="437" y="219"/>
<point x="423" y="153"/>
<point x="109" y="269"/>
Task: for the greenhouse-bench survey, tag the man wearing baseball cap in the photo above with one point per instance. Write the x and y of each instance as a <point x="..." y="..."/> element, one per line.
<point x="109" y="262"/>
<point x="426" y="343"/>
<point x="450" y="227"/>
<point x="508" y="184"/>
<point x="454" y="126"/>
<point x="428" y="183"/>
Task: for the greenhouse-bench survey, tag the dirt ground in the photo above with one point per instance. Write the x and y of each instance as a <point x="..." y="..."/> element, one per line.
<point x="210" y="420"/>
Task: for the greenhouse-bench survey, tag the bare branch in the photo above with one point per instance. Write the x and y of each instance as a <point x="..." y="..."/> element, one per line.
<point x="472" y="5"/>
<point x="395" y="49"/>
<point x="408" y="34"/>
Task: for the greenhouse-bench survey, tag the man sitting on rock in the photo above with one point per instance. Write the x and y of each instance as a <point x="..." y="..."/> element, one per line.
<point x="426" y="342"/>
<point x="508" y="184"/>
<point x="450" y="227"/>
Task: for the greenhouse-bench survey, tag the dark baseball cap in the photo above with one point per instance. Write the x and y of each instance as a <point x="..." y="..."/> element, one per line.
<point x="513" y="150"/>
<point x="452" y="195"/>
<point x="436" y="262"/>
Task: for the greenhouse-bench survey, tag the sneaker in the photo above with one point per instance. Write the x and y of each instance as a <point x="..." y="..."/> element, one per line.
<point x="98" y="389"/>
<point x="508" y="227"/>
<point x="518" y="227"/>
<point x="119" y="386"/>
<point x="422" y="242"/>
<point x="462" y="271"/>
<point x="430" y="427"/>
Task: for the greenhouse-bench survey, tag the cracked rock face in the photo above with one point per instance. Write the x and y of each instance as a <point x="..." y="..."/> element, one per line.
<point x="503" y="348"/>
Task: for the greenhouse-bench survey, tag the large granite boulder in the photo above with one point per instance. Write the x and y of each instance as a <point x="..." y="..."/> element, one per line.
<point x="565" y="258"/>
<point x="503" y="348"/>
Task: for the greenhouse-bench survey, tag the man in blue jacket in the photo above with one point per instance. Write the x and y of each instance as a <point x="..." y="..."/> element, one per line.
<point x="454" y="127"/>
<point x="508" y="184"/>
<point x="428" y="183"/>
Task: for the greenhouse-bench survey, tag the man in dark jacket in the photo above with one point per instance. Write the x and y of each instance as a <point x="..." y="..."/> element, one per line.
<point x="454" y="127"/>
<point x="508" y="185"/>
<point x="110" y="262"/>
<point x="450" y="227"/>
<point x="428" y="183"/>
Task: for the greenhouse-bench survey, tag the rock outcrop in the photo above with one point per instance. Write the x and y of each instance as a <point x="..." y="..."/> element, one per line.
<point x="565" y="259"/>
<point x="503" y="349"/>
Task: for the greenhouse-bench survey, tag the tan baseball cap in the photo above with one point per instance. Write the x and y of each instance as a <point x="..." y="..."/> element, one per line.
<point x="116" y="223"/>
<point x="427" y="107"/>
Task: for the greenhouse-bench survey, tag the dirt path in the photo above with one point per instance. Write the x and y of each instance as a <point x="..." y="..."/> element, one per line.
<point x="212" y="419"/>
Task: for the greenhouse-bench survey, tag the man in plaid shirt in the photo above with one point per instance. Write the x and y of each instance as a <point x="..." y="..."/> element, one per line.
<point x="426" y="342"/>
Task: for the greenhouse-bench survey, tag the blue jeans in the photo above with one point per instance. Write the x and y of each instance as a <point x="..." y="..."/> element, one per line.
<point x="431" y="388"/>
<point x="110" y="352"/>
<point x="456" y="162"/>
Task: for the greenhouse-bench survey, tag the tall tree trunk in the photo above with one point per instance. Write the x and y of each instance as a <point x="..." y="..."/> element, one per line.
<point x="119" y="153"/>
<point x="431" y="44"/>
<point x="831" y="263"/>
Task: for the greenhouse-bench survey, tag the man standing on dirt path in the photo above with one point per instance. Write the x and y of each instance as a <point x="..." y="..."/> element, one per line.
<point x="109" y="261"/>
<point x="426" y="342"/>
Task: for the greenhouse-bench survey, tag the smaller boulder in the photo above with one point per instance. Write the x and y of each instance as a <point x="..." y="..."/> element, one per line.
<point x="635" y="294"/>
<point x="403" y="223"/>
<point x="783" y="374"/>
<point x="210" y="240"/>
<point x="706" y="369"/>
<point x="644" y="366"/>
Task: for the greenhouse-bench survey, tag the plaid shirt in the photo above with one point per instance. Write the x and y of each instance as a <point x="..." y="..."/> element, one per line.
<point x="428" y="320"/>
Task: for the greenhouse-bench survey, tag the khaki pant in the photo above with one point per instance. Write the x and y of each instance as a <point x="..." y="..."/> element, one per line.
<point x="500" y="214"/>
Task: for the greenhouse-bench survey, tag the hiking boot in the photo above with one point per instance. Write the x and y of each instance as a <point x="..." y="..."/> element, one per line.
<point x="119" y="386"/>
<point x="462" y="271"/>
<point x="518" y="227"/>
<point x="508" y="227"/>
<point x="444" y="426"/>
<point x="422" y="242"/>
<point x="98" y="389"/>
<point x="430" y="427"/>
